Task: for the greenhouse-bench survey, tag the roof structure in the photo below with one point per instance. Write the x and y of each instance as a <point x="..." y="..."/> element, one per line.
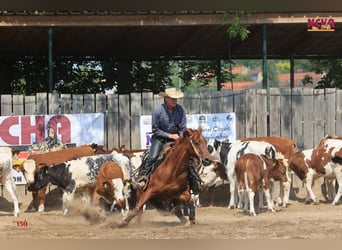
<point x="165" y="35"/>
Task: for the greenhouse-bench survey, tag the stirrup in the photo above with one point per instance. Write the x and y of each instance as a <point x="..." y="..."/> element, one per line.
<point x="139" y="184"/>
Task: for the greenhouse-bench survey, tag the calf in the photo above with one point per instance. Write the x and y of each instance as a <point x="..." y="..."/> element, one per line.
<point x="6" y="176"/>
<point x="111" y="188"/>
<point x="211" y="176"/>
<point x="253" y="171"/>
<point x="321" y="161"/>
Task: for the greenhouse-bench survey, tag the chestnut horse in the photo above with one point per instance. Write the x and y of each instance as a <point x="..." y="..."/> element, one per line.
<point x="169" y="181"/>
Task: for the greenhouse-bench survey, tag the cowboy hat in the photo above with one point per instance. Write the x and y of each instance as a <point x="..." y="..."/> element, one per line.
<point x="172" y="93"/>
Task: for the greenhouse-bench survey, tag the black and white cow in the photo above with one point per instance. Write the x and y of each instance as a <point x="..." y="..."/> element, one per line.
<point x="6" y="176"/>
<point x="79" y="175"/>
<point x="229" y="152"/>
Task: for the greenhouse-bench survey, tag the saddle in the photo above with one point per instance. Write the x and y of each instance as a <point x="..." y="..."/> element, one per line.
<point x="162" y="155"/>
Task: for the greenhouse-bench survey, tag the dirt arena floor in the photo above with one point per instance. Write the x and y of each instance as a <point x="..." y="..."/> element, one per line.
<point x="297" y="221"/>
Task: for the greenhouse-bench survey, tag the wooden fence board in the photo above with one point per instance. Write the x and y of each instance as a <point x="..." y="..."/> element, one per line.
<point x="286" y="112"/>
<point x="261" y="112"/>
<point x="338" y="112"/>
<point x="89" y="103"/>
<point x="6" y="105"/>
<point x="30" y="105"/>
<point x="205" y="103"/>
<point x="330" y="111"/>
<point x="77" y="104"/>
<point x="135" y="120"/>
<point x="100" y="103"/>
<point x="275" y="112"/>
<point x="65" y="103"/>
<point x="112" y="121"/>
<point x="53" y="103"/>
<point x="18" y="107"/>
<point x="124" y="121"/>
<point x="251" y="129"/>
<point x="308" y="119"/>
<point x="42" y="103"/>
<point x="297" y="114"/>
<point x="319" y="109"/>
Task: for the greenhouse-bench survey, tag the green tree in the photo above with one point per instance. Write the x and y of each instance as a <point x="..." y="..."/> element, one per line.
<point x="331" y="70"/>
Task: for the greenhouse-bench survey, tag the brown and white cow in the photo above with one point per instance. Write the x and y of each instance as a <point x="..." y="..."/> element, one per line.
<point x="286" y="148"/>
<point x="111" y="188"/>
<point x="254" y="171"/>
<point x="322" y="161"/>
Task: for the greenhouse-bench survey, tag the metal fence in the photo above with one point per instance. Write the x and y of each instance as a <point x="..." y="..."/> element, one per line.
<point x="305" y="115"/>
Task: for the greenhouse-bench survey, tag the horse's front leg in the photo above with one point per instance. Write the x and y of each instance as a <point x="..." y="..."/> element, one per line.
<point x="190" y="205"/>
<point x="138" y="209"/>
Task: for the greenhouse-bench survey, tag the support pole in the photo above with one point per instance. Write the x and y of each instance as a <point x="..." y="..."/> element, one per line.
<point x="50" y="59"/>
<point x="264" y="56"/>
<point x="291" y="72"/>
<point x="218" y="75"/>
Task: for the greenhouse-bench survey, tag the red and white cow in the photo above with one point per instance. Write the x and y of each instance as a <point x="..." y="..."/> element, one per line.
<point x="322" y="161"/>
<point x="6" y="176"/>
<point x="110" y="187"/>
<point x="255" y="171"/>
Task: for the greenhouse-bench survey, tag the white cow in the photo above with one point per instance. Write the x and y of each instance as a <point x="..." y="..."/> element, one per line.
<point x="6" y="176"/>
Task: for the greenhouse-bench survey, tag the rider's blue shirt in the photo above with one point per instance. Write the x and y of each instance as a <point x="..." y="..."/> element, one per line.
<point x="165" y="122"/>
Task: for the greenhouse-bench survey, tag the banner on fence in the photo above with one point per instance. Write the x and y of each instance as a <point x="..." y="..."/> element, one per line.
<point x="218" y="126"/>
<point x="76" y="129"/>
<point x="68" y="128"/>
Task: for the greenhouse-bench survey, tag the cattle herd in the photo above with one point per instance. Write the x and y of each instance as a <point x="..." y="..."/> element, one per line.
<point x="251" y="167"/>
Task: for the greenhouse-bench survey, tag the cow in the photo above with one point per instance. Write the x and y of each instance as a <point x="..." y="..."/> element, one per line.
<point x="284" y="146"/>
<point x="229" y="152"/>
<point x="78" y="175"/>
<point x="6" y="176"/>
<point x="35" y="161"/>
<point x="211" y="176"/>
<point x="253" y="171"/>
<point x="321" y="161"/>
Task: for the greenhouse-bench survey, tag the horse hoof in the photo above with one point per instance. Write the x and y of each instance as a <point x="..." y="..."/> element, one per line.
<point x="122" y="224"/>
<point x="192" y="222"/>
<point x="183" y="220"/>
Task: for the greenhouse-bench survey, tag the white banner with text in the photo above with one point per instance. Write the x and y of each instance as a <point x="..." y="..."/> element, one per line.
<point x="220" y="126"/>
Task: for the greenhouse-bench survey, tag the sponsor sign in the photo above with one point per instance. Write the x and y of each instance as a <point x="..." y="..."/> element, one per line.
<point x="68" y="128"/>
<point x="321" y="24"/>
<point x="78" y="129"/>
<point x="220" y="126"/>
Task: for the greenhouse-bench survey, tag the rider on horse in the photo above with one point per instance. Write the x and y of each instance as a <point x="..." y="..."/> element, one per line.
<point x="168" y="124"/>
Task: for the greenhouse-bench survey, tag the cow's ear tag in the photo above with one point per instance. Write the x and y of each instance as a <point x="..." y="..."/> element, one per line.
<point x="105" y="185"/>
